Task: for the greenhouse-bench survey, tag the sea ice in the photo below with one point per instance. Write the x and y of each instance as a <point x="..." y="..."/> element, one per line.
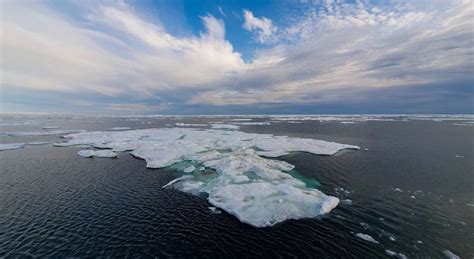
<point x="450" y="254"/>
<point x="50" y="127"/>
<point x="39" y="133"/>
<point x="120" y="128"/>
<point x="189" y="169"/>
<point x="97" y="153"/>
<point x="35" y="143"/>
<point x="225" y="126"/>
<point x="255" y="189"/>
<point x="11" y="146"/>
<point x="367" y="238"/>
<point x="395" y="254"/>
<point x="180" y="124"/>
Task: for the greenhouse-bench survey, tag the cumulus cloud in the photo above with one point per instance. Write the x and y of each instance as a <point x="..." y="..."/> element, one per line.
<point x="263" y="27"/>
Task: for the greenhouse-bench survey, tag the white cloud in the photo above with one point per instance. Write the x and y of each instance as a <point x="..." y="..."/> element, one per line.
<point x="263" y="27"/>
<point x="330" y="54"/>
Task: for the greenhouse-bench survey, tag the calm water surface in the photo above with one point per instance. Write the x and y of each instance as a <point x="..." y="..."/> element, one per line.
<point x="55" y="203"/>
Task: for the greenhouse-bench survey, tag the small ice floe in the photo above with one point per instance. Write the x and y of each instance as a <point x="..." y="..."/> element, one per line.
<point x="463" y="223"/>
<point x="97" y="153"/>
<point x="459" y="156"/>
<point x="50" y="127"/>
<point x="392" y="239"/>
<point x="248" y="119"/>
<point x="250" y="123"/>
<point x="225" y="126"/>
<point x="364" y="225"/>
<point x="202" y="168"/>
<point x="366" y="237"/>
<point x="347" y="122"/>
<point x="184" y="177"/>
<point x="366" y="149"/>
<point x="381" y="219"/>
<point x="346" y="202"/>
<point x="214" y="210"/>
<point x="120" y="128"/>
<point x="35" y="143"/>
<point x="395" y="254"/>
<point x="11" y="146"/>
<point x="398" y="190"/>
<point x="189" y="169"/>
<point x="418" y="192"/>
<point x="179" y="124"/>
<point x="462" y="124"/>
<point x="450" y="254"/>
<point x="419" y="242"/>
<point x="412" y="197"/>
<point x="470" y="204"/>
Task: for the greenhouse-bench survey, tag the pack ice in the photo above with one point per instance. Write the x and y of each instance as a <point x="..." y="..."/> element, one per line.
<point x="238" y="177"/>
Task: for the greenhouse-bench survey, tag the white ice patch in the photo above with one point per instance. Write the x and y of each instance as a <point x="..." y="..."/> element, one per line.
<point x="256" y="190"/>
<point x="36" y="143"/>
<point x="367" y="238"/>
<point x="225" y="126"/>
<point x="189" y="169"/>
<point x="395" y="254"/>
<point x="120" y="128"/>
<point x="11" y="146"/>
<point x="179" y="124"/>
<point x="50" y="127"/>
<point x="97" y="153"/>
<point x="450" y="254"/>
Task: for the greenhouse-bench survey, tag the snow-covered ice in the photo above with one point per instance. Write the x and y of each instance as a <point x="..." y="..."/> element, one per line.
<point x="180" y="124"/>
<point x="39" y="133"/>
<point x="120" y="128"/>
<point x="97" y="153"/>
<point x="367" y="238"/>
<point x="50" y="127"/>
<point x="225" y="126"/>
<point x="244" y="182"/>
<point x="11" y="146"/>
<point x="36" y="143"/>
<point x="450" y="254"/>
<point x="189" y="169"/>
<point x="395" y="254"/>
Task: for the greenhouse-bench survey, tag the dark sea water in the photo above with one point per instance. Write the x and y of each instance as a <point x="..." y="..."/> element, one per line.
<point x="55" y="203"/>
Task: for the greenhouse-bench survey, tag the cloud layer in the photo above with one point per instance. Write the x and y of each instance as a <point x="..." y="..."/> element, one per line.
<point x="111" y="57"/>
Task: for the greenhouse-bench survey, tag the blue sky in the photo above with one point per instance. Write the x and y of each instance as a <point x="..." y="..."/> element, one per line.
<point x="211" y="57"/>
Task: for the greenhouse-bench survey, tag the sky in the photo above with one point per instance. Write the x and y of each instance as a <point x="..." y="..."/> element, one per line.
<point x="237" y="57"/>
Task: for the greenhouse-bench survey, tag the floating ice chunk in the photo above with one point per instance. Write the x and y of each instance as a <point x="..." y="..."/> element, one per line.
<point x="398" y="190"/>
<point x="250" y="123"/>
<point x="214" y="210"/>
<point x="97" y="153"/>
<point x="244" y="182"/>
<point x="347" y="202"/>
<point x="225" y="126"/>
<point x="367" y="238"/>
<point x="462" y="124"/>
<point x="50" y="127"/>
<point x="121" y="128"/>
<point x="450" y="254"/>
<point x="412" y="197"/>
<point x="395" y="254"/>
<point x="242" y="119"/>
<point x="37" y="143"/>
<point x="189" y="169"/>
<point x="11" y="146"/>
<point x="184" y="177"/>
<point x="179" y="124"/>
<point x="347" y="122"/>
<point x="459" y="156"/>
<point x="392" y="238"/>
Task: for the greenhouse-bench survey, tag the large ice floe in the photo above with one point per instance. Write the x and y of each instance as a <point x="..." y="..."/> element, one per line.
<point x="235" y="172"/>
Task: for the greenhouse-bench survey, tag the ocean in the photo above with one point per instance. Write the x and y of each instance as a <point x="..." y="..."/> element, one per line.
<point x="410" y="187"/>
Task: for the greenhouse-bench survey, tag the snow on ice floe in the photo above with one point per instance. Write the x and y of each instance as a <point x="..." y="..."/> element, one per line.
<point x="50" y="127"/>
<point x="224" y="126"/>
<point x="450" y="254"/>
<point x="180" y="124"/>
<point x="120" y="128"/>
<point x="97" y="153"/>
<point x="11" y="146"/>
<point x="367" y="238"/>
<point x="255" y="189"/>
<point x="395" y="254"/>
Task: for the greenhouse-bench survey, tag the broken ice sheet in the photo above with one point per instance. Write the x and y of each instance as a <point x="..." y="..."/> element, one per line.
<point x="242" y="182"/>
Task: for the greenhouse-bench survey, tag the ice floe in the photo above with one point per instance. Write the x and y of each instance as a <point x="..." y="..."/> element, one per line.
<point x="11" y="146"/>
<point x="450" y="254"/>
<point x="120" y="128"/>
<point x="37" y="143"/>
<point x="180" y="124"/>
<point x="97" y="153"/>
<point x="225" y="126"/>
<point x="367" y="238"/>
<point x="255" y="189"/>
<point x="50" y="127"/>
<point x="395" y="254"/>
